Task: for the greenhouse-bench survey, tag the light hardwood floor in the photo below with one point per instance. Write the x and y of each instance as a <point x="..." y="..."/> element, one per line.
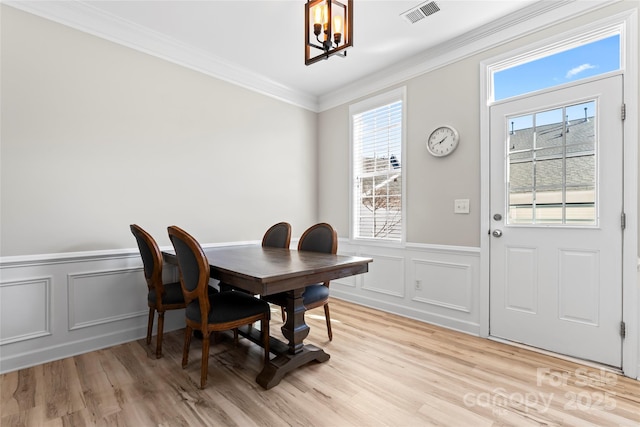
<point x="384" y="370"/>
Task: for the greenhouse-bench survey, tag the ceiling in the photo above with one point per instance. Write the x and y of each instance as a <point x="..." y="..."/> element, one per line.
<point x="267" y="37"/>
<point x="260" y="43"/>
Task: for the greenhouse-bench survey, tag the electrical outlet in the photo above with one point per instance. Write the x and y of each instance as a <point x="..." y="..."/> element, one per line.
<point x="419" y="285"/>
<point x="461" y="206"/>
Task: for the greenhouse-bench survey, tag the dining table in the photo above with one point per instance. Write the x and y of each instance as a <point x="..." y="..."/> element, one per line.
<point x="264" y="271"/>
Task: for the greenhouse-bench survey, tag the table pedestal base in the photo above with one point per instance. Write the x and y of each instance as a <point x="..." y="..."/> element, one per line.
<point x="284" y="361"/>
<point x="276" y="369"/>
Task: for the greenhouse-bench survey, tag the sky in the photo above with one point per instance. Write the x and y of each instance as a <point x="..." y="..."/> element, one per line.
<point x="589" y="60"/>
<point x="585" y="61"/>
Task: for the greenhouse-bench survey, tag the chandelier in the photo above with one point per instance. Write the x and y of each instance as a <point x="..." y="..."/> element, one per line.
<point x="328" y="28"/>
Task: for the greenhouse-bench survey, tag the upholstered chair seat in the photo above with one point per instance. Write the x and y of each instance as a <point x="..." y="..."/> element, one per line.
<point x="227" y="307"/>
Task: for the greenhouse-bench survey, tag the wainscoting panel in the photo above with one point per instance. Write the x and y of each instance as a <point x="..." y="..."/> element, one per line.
<point x="386" y="275"/>
<point x="96" y="297"/>
<point x="351" y="281"/>
<point x="443" y="284"/>
<point x="25" y="309"/>
<point x="436" y="284"/>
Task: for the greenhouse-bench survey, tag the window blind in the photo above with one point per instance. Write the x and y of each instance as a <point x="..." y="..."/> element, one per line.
<point x="377" y="167"/>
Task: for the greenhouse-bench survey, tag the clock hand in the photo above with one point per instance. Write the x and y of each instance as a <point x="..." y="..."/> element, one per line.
<point x="442" y="140"/>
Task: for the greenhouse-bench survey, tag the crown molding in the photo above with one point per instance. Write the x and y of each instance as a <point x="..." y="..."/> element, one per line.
<point x="81" y="15"/>
<point x="536" y="17"/>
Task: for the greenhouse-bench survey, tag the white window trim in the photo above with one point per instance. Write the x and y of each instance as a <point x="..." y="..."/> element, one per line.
<point x="399" y="94"/>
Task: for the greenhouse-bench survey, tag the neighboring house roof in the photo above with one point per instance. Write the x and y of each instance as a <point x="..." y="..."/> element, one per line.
<point x="548" y="153"/>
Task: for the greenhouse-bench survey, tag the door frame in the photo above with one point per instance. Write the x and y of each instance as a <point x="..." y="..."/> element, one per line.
<point x="630" y="277"/>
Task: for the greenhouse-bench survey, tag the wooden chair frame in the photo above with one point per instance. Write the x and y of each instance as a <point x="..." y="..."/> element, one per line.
<point x="153" y="277"/>
<point x="200" y="293"/>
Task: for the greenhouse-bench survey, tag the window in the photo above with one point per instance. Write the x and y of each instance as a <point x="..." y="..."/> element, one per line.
<point x="377" y="135"/>
<point x="552" y="166"/>
<point x="570" y="60"/>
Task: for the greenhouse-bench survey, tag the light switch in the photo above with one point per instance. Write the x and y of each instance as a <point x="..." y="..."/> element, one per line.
<point x="461" y="206"/>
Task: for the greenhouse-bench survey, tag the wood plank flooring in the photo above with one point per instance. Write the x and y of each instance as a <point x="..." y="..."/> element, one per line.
<point x="384" y="370"/>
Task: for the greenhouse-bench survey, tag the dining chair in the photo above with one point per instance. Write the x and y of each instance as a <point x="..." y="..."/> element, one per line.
<point x="161" y="296"/>
<point x="321" y="237"/>
<point x="217" y="312"/>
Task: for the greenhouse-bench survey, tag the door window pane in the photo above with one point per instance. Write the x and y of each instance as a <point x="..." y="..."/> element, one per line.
<point x="551" y="166"/>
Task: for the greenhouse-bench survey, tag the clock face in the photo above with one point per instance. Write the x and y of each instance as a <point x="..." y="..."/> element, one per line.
<point x="443" y="141"/>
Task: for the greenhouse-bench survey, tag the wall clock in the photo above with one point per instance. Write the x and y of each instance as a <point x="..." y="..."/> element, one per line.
<point x="443" y="141"/>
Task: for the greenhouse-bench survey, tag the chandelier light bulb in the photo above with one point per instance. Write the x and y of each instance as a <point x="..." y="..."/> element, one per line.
<point x="317" y="21"/>
<point x="337" y="29"/>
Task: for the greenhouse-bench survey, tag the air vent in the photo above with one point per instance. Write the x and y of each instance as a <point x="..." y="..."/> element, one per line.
<point x="420" y="12"/>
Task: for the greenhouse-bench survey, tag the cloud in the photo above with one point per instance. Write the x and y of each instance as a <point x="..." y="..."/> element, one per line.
<point x="577" y="70"/>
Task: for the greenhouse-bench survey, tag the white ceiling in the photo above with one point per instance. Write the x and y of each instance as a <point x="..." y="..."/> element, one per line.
<point x="260" y="43"/>
<point x="267" y="37"/>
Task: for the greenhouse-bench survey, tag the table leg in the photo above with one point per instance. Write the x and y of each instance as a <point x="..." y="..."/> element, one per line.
<point x="295" y="330"/>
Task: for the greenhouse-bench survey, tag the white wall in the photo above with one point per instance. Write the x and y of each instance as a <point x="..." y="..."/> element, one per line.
<point x="96" y="136"/>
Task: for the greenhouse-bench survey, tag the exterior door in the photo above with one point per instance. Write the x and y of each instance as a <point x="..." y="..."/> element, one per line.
<point x="556" y="220"/>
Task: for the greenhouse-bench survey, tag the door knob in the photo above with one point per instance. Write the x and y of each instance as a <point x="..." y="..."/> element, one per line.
<point x="497" y="233"/>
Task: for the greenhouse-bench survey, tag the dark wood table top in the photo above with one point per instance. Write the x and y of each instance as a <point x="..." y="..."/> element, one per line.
<point x="264" y="271"/>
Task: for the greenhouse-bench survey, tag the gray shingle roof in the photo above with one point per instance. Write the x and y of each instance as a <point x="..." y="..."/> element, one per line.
<point x="549" y="146"/>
